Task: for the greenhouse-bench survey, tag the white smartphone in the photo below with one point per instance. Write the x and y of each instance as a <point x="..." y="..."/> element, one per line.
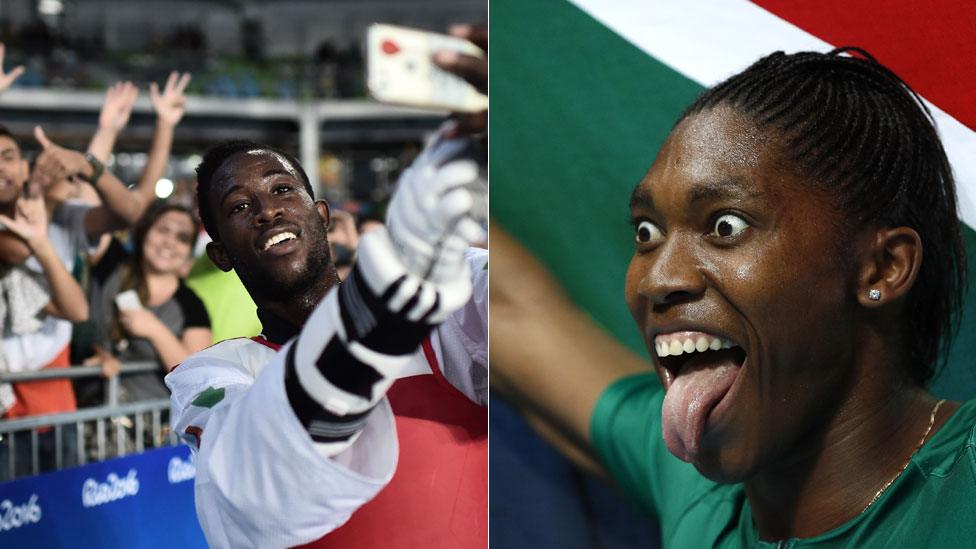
<point x="400" y="70"/>
<point x="128" y="299"/>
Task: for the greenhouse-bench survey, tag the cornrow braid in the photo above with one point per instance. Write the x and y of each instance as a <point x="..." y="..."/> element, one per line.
<point x="859" y="131"/>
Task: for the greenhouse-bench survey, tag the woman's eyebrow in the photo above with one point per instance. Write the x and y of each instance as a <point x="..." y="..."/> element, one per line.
<point x="701" y="192"/>
<point x="641" y="197"/>
<point x="719" y="190"/>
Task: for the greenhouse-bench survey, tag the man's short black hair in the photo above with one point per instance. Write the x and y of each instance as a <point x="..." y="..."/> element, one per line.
<point x="214" y="158"/>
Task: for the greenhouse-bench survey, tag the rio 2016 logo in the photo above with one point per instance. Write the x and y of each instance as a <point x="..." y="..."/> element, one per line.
<point x="14" y="516"/>
<point x="180" y="471"/>
<point x="99" y="493"/>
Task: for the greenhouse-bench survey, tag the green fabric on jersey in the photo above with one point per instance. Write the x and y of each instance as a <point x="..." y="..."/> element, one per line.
<point x="932" y="504"/>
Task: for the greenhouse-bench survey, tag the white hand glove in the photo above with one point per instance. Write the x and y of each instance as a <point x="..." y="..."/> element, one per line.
<point x="359" y="338"/>
<point x="403" y="294"/>
<point x="404" y="282"/>
<point x="437" y="210"/>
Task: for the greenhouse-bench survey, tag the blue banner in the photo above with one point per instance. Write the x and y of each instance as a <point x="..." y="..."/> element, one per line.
<point x="141" y="500"/>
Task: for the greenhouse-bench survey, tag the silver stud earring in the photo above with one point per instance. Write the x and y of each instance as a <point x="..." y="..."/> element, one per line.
<point x="874" y="294"/>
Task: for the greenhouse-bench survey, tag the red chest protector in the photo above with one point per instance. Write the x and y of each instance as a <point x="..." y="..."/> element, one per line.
<point x="438" y="497"/>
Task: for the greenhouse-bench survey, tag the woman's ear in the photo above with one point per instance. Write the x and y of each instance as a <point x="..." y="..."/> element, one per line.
<point x="889" y="266"/>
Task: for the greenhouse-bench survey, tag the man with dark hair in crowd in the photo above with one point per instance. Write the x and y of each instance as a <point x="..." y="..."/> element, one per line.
<point x="289" y="444"/>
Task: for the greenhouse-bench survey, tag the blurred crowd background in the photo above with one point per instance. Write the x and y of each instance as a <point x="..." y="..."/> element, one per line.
<point x="288" y="72"/>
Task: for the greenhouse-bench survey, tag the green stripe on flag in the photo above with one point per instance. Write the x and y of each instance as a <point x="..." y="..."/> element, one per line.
<point x="577" y="116"/>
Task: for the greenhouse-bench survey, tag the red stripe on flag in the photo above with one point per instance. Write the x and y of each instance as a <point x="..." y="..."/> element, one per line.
<point x="931" y="45"/>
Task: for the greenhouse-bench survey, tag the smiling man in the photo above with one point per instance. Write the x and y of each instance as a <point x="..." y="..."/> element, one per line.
<point x="13" y="169"/>
<point x="293" y="430"/>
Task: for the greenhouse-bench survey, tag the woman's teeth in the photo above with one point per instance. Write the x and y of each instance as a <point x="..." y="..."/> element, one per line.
<point x="676" y="344"/>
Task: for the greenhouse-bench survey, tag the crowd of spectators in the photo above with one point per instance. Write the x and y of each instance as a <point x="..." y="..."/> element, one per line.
<point x="108" y="272"/>
<point x="56" y="60"/>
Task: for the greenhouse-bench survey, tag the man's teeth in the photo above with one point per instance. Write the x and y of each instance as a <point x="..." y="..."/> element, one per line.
<point x="673" y="345"/>
<point x="281" y="237"/>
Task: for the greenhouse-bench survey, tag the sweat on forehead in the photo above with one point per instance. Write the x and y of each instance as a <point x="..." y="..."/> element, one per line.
<point x="285" y="163"/>
<point x="725" y="135"/>
<point x="215" y="162"/>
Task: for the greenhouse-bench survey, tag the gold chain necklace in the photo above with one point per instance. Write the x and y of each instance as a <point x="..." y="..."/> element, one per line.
<point x="909" y="460"/>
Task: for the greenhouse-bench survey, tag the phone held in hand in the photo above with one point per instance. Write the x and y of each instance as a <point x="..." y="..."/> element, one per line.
<point x="128" y="299"/>
<point x="400" y="70"/>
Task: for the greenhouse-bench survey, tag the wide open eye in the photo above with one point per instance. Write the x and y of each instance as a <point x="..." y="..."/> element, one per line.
<point x="729" y="225"/>
<point x="647" y="233"/>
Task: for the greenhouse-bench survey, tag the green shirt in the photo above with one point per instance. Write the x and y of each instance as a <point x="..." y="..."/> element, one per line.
<point x="931" y="504"/>
<point x="231" y="309"/>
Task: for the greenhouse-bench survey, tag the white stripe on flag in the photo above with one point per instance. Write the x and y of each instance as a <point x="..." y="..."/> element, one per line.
<point x="709" y="40"/>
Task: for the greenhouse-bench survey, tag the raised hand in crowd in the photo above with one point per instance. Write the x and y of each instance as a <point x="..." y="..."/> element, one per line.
<point x="30" y="224"/>
<point x="472" y="69"/>
<point x="171" y="103"/>
<point x="170" y="106"/>
<point x="121" y="207"/>
<point x="53" y="165"/>
<point x="8" y="78"/>
<point x="119" y="100"/>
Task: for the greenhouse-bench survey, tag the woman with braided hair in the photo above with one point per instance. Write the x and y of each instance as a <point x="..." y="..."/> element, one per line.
<point x="798" y="267"/>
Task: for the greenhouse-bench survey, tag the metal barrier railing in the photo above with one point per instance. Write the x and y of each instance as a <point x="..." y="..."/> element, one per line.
<point x="147" y="417"/>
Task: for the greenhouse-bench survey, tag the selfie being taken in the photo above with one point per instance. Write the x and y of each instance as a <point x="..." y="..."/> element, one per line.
<point x="730" y="275"/>
<point x="243" y="274"/>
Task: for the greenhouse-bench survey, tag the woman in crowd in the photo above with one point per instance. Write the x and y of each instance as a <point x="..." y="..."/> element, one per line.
<point x="798" y="267"/>
<point x="143" y="310"/>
